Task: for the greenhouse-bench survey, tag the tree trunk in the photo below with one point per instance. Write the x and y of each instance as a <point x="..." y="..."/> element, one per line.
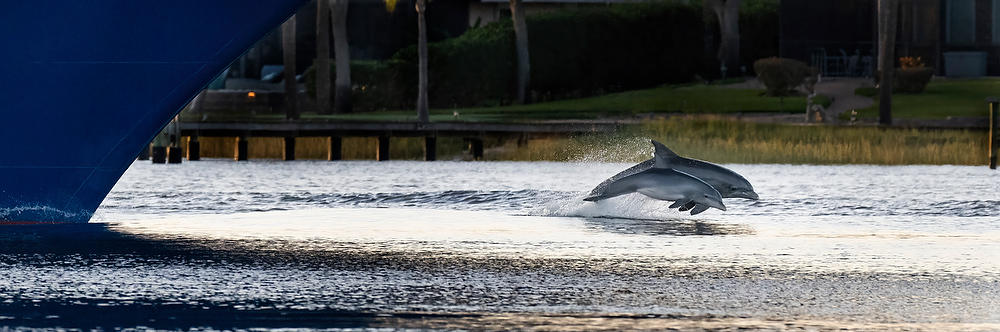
<point x="322" y="65"/>
<point x="342" y="52"/>
<point x="423" y="112"/>
<point x="288" y="50"/>
<point x="728" y="14"/>
<point x="521" y="43"/>
<point x="887" y="12"/>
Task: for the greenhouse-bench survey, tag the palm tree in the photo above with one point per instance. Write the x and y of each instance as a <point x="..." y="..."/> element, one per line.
<point x="521" y="44"/>
<point x="423" y="112"/>
<point x="322" y="65"/>
<point x="887" y="14"/>
<point x="342" y="53"/>
<point x="288" y="50"/>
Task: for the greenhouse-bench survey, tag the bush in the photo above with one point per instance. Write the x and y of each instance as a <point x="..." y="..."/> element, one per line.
<point x="781" y="76"/>
<point x="574" y="53"/>
<point x="912" y="80"/>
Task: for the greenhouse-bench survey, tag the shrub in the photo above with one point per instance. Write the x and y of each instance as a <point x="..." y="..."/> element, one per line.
<point x="781" y="76"/>
<point x="912" y="80"/>
<point x="866" y="91"/>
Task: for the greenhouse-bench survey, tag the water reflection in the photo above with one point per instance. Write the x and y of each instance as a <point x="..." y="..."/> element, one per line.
<point x="668" y="227"/>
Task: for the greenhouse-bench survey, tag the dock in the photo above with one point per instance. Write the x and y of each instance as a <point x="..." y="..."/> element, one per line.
<point x="473" y="132"/>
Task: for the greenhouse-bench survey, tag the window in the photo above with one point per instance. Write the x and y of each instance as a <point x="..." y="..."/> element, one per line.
<point x="996" y="22"/>
<point x="960" y="20"/>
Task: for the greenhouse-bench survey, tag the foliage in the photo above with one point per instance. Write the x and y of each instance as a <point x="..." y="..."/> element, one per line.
<point x="574" y="53"/>
<point x="866" y="91"/>
<point x="781" y="76"/>
<point x="908" y="62"/>
<point x="371" y="86"/>
<point x="822" y="100"/>
<point x="729" y="141"/>
<point x="759" y="30"/>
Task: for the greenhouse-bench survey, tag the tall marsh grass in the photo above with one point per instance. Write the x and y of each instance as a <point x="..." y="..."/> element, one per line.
<point x="713" y="139"/>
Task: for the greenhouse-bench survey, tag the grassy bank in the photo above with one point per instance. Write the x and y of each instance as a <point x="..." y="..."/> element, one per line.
<point x="942" y="98"/>
<point x="692" y="99"/>
<point x="712" y="139"/>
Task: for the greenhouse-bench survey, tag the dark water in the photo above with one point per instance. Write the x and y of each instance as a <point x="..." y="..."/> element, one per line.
<point x="412" y="245"/>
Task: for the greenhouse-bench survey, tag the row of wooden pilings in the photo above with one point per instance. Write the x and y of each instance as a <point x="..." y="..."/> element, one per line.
<point x="174" y="154"/>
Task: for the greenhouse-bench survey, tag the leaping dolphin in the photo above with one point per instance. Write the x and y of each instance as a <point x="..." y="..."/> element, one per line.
<point x="726" y="182"/>
<point x="663" y="184"/>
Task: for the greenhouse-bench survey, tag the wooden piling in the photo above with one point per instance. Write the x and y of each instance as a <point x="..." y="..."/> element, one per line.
<point x="476" y="145"/>
<point x="159" y="154"/>
<point x="994" y="140"/>
<point x="382" y="154"/>
<point x="241" y="152"/>
<point x="335" y="151"/>
<point x="174" y="154"/>
<point x="430" y="148"/>
<point x="289" y="153"/>
<point x="144" y="154"/>
<point x="194" y="148"/>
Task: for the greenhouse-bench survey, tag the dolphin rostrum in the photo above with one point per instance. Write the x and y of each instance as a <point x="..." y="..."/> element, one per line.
<point x="663" y="184"/>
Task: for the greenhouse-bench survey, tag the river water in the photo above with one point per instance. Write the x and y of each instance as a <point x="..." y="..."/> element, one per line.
<point x="510" y="245"/>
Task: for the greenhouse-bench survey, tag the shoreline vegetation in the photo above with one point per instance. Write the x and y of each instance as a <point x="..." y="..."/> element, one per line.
<point x="712" y="138"/>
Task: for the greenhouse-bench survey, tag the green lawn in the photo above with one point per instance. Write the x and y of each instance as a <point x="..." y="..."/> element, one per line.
<point x="665" y="99"/>
<point x="943" y="98"/>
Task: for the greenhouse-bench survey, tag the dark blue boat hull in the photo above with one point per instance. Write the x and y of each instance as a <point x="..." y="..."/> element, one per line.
<point x="87" y="84"/>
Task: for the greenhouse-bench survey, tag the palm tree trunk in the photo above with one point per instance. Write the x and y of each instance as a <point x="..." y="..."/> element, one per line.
<point x="423" y="112"/>
<point x="342" y="53"/>
<point x="521" y="43"/>
<point x="322" y="65"/>
<point x="288" y="50"/>
<point x="887" y="14"/>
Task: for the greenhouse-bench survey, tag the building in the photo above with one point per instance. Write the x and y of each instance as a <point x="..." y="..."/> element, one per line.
<point x="956" y="37"/>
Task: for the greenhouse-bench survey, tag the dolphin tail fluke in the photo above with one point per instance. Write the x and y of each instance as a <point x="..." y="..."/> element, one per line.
<point x="699" y="209"/>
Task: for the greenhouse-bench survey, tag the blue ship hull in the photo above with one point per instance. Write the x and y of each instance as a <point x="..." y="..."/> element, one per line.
<point x="87" y="84"/>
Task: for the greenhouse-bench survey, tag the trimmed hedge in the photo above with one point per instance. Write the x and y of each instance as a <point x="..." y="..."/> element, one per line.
<point x="781" y="76"/>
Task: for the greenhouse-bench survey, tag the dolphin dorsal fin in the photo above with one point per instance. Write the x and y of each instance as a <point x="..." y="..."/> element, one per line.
<point x="662" y="156"/>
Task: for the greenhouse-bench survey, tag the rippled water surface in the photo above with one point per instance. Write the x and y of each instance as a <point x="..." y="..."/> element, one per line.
<point x="500" y="245"/>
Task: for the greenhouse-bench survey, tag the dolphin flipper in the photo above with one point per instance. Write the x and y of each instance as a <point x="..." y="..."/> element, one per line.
<point x="680" y="203"/>
<point x="699" y="209"/>
<point x="687" y="206"/>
